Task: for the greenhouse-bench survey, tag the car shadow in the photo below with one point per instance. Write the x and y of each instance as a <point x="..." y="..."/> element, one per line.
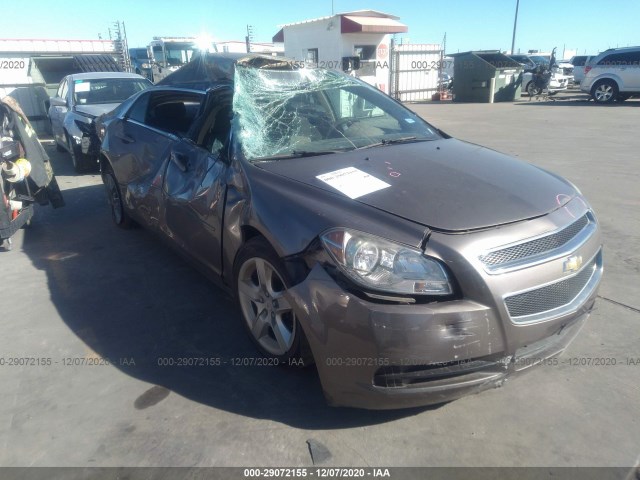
<point x="134" y="302"/>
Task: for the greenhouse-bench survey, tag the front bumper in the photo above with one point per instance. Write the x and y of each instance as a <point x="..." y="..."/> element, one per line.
<point x="382" y="355"/>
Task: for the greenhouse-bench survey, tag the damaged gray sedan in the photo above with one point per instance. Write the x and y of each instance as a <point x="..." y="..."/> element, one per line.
<point x="411" y="267"/>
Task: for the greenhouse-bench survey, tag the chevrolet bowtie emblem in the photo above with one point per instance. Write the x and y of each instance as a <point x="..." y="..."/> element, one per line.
<point x="572" y="264"/>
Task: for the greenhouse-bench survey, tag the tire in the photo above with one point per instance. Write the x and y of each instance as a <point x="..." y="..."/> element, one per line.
<point x="114" y="199"/>
<point x="605" y="91"/>
<point x="260" y="280"/>
<point x="77" y="158"/>
<point x="532" y="90"/>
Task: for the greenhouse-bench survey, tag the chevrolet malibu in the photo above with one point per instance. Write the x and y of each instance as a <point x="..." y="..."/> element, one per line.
<point x="412" y="268"/>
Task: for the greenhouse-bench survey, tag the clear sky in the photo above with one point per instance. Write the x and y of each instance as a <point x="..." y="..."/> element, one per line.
<point x="584" y="25"/>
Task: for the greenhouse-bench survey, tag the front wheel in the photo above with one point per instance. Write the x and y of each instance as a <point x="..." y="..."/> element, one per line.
<point x="77" y="158"/>
<point x="261" y="281"/>
<point x="605" y="91"/>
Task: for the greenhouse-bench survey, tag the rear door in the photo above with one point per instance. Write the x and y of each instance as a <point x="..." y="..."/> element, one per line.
<point x="625" y="66"/>
<point x="139" y="146"/>
<point x="194" y="184"/>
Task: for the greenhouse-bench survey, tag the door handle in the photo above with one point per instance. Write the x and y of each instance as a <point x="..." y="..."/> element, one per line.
<point x="180" y="160"/>
<point x="125" y="138"/>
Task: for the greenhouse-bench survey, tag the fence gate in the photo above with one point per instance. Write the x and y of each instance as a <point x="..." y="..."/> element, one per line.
<point x="414" y="71"/>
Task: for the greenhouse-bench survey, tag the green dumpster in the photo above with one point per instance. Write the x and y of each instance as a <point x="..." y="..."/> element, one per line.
<point x="486" y="76"/>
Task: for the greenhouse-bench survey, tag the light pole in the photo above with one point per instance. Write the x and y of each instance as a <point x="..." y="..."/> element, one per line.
<point x="515" y="23"/>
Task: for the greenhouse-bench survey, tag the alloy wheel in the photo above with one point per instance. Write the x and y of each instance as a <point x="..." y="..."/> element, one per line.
<point x="603" y="93"/>
<point x="268" y="314"/>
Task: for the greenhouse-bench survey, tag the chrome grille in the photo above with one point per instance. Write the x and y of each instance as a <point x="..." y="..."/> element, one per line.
<point x="551" y="296"/>
<point x="537" y="246"/>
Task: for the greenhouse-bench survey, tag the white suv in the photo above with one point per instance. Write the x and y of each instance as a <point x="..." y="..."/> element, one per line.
<point x="613" y="75"/>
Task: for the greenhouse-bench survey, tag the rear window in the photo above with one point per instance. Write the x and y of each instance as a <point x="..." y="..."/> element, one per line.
<point x="169" y="111"/>
<point x="579" y="61"/>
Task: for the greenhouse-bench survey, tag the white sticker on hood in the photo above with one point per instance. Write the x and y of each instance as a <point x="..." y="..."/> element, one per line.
<point x="352" y="182"/>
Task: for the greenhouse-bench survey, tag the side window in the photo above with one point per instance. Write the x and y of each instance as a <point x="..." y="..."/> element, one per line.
<point x="62" y="91"/>
<point x="634" y="58"/>
<point x="216" y="124"/>
<point x="59" y="92"/>
<point x="158" y="54"/>
<point x="617" y="59"/>
<point x="138" y="111"/>
<point x="169" y="111"/>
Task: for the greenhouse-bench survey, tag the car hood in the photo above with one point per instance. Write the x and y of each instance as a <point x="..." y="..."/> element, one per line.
<point x="95" y="110"/>
<point x="445" y="184"/>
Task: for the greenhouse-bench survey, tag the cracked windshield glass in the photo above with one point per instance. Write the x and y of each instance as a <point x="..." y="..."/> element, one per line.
<point x="288" y="113"/>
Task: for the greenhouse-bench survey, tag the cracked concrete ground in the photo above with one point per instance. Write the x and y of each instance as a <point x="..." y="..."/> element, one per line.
<point x="75" y="287"/>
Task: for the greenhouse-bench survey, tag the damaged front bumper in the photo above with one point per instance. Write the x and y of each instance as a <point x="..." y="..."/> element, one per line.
<point x="383" y="356"/>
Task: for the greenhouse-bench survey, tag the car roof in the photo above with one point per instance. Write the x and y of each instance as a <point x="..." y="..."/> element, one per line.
<point x="102" y="75"/>
<point x="621" y="49"/>
<point x="610" y="51"/>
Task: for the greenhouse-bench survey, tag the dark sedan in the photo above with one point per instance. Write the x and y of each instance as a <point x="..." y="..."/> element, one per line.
<point x="79" y="100"/>
<point x="411" y="267"/>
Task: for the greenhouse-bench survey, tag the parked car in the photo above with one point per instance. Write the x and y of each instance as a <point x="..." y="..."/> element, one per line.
<point x="412" y="267"/>
<point x="579" y="62"/>
<point x="558" y="81"/>
<point x="140" y="62"/>
<point x="82" y="97"/>
<point x="566" y="68"/>
<point x="613" y="75"/>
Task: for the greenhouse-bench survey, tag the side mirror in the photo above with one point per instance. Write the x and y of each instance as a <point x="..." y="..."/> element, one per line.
<point x="57" y="102"/>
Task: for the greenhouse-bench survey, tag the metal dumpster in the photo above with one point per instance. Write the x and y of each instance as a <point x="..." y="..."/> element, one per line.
<point x="486" y="76"/>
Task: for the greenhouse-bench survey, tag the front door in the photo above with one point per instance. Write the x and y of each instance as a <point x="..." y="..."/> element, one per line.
<point x="195" y="186"/>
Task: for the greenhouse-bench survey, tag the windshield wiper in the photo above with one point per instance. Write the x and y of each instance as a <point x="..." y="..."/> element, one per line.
<point x="297" y="154"/>
<point x="392" y="141"/>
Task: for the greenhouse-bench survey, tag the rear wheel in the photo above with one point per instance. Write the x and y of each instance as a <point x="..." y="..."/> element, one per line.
<point x="532" y="90"/>
<point x="114" y="198"/>
<point x="605" y="91"/>
<point x="261" y="281"/>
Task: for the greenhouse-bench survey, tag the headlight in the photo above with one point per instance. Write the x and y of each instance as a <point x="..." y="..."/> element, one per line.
<point x="146" y="65"/>
<point x="379" y="264"/>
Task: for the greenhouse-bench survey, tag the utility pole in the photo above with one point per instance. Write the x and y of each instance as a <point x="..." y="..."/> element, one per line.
<point x="515" y="23"/>
<point x="249" y="37"/>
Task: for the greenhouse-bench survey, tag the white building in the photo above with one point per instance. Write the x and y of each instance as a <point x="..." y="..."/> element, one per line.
<point x="330" y="41"/>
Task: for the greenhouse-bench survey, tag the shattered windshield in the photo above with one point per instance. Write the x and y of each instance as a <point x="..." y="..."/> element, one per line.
<point x="307" y="112"/>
